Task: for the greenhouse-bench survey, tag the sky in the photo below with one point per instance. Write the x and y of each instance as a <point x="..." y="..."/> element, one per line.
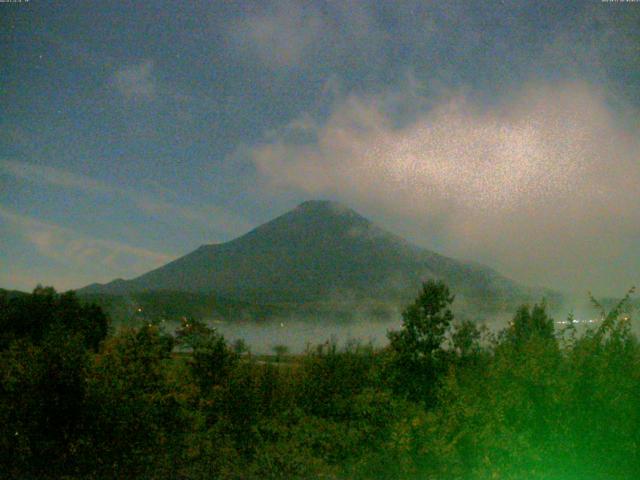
<point x="507" y="133"/>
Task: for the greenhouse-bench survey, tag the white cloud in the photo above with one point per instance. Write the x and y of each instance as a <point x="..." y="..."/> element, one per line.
<point x="543" y="186"/>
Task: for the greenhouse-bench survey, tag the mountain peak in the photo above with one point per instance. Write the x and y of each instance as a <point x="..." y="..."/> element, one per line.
<point x="319" y="215"/>
<point x="311" y="253"/>
<point x="322" y="206"/>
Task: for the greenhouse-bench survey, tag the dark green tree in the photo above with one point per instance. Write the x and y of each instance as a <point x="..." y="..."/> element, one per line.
<point x="465" y="340"/>
<point x="212" y="360"/>
<point x="33" y="316"/>
<point x="134" y="424"/>
<point x="417" y="350"/>
<point x="530" y="322"/>
<point x="46" y="340"/>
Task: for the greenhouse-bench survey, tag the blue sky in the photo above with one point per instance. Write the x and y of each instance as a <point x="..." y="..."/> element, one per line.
<point x="502" y="132"/>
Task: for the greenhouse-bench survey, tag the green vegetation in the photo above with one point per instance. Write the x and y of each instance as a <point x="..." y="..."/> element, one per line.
<point x="172" y="306"/>
<point x="444" y="400"/>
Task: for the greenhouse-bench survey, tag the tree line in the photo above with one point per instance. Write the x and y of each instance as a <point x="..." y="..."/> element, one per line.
<point x="443" y="400"/>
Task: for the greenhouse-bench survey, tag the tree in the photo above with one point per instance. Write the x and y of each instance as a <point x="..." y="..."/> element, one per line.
<point x="34" y="316"/>
<point x="240" y="347"/>
<point x="42" y="393"/>
<point x="211" y="360"/>
<point x="418" y="356"/>
<point x="280" y="351"/>
<point x="134" y="423"/>
<point x="45" y="343"/>
<point x="465" y="340"/>
<point x="530" y="322"/>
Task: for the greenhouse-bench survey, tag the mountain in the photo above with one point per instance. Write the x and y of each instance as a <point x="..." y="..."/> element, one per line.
<point x="320" y="252"/>
<point x="10" y="294"/>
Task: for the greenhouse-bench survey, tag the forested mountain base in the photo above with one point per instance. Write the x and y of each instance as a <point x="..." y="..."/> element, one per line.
<point x="444" y="400"/>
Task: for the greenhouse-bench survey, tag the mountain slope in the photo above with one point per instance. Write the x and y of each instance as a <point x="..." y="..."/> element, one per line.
<point x="318" y="251"/>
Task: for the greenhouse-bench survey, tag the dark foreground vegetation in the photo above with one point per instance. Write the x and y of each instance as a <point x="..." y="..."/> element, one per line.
<point x="444" y="400"/>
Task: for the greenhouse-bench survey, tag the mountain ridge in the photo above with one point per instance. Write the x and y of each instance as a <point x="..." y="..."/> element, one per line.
<point x="318" y="250"/>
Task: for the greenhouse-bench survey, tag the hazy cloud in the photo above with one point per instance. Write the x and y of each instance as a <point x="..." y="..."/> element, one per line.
<point x="53" y="176"/>
<point x="77" y="251"/>
<point x="210" y="216"/>
<point x="279" y="36"/>
<point x="291" y="33"/>
<point x="542" y="185"/>
<point x="162" y="204"/>
<point x="136" y="81"/>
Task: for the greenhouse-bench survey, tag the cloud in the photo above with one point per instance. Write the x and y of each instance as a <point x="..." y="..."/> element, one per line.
<point x="156" y="106"/>
<point x="136" y="82"/>
<point x="281" y="35"/>
<point x="542" y="185"/>
<point x="163" y="204"/>
<point x="291" y="33"/>
<point x="80" y="252"/>
<point x="210" y="216"/>
<point x="54" y="176"/>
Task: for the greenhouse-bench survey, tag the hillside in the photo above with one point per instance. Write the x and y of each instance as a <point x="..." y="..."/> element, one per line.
<point x="320" y="252"/>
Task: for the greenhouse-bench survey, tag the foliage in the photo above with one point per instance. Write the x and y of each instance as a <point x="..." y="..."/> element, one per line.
<point x="281" y="351"/>
<point x="34" y="316"/>
<point x="444" y="400"/>
<point x="529" y="323"/>
<point x="45" y="339"/>
<point x="134" y="426"/>
<point x="42" y="396"/>
<point x="417" y="350"/>
<point x="211" y="359"/>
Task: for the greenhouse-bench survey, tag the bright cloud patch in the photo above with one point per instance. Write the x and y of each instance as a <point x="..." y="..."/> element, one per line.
<point x="539" y="185"/>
